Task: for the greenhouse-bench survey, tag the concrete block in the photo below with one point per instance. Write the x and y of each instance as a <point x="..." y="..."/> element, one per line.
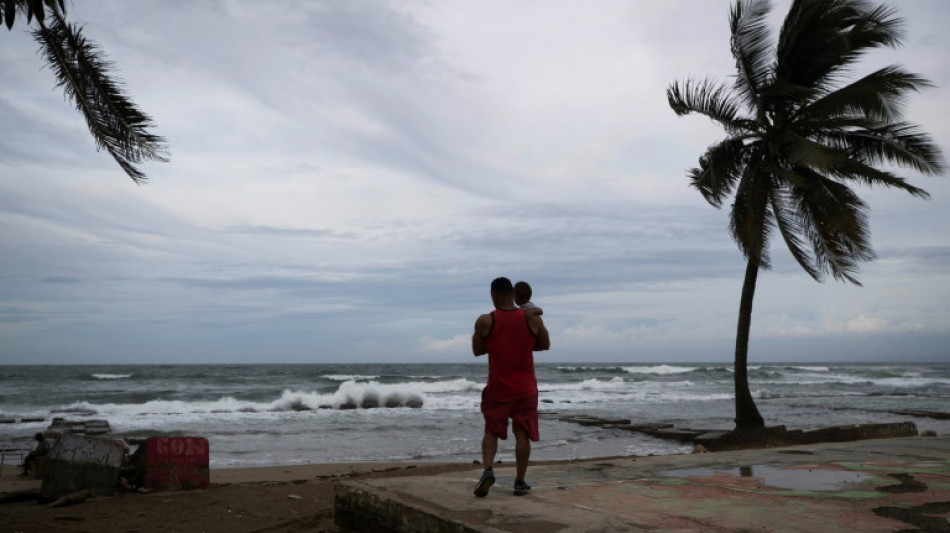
<point x="173" y="463"/>
<point x="860" y="432"/>
<point x="710" y="438"/>
<point x="78" y="463"/>
<point x="644" y="427"/>
<point x="682" y="435"/>
<point x="360" y="507"/>
<point x="923" y="414"/>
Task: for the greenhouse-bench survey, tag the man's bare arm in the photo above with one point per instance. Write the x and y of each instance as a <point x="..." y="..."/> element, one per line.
<point x="542" y="340"/>
<point x="482" y="329"/>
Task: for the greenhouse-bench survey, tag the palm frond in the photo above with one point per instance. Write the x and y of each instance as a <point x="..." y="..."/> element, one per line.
<point x="899" y="143"/>
<point x="751" y="218"/>
<point x="854" y="170"/>
<point x="750" y="48"/>
<point x="719" y="169"/>
<point x="873" y="26"/>
<point x="842" y="161"/>
<point x="834" y="219"/>
<point x="116" y="124"/>
<point x="783" y="97"/>
<point x="8" y="12"/>
<point x="32" y="8"/>
<point x="820" y="38"/>
<point x="707" y="98"/>
<point x="877" y="96"/>
<point x="799" y="150"/>
<point x="788" y="219"/>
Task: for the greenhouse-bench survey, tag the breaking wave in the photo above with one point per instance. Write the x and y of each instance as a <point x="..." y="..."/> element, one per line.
<point x="349" y="395"/>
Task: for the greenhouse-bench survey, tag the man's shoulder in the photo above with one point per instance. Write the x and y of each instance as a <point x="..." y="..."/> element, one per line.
<point x="483" y="320"/>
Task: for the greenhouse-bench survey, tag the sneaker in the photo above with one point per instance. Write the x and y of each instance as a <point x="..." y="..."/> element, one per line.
<point x="521" y="488"/>
<point x="485" y="483"/>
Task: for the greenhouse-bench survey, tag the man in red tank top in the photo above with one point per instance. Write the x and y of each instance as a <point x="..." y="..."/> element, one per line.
<point x="509" y="336"/>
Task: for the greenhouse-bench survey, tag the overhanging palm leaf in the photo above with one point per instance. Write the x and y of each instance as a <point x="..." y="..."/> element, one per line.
<point x="114" y="121"/>
<point x="32" y="8"/>
<point x="797" y="137"/>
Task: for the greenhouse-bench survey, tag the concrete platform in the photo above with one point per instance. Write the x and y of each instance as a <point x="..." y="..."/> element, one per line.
<point x="869" y="486"/>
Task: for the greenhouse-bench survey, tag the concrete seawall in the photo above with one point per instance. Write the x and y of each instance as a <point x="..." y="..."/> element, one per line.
<point x="872" y="485"/>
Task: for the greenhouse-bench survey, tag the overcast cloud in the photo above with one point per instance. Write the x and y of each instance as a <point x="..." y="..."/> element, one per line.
<point x="348" y="176"/>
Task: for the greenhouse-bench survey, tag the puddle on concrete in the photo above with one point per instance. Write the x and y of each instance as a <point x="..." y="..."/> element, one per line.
<point x="818" y="479"/>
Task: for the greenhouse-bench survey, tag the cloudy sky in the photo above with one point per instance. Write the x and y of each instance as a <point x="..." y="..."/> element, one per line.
<point x="348" y="176"/>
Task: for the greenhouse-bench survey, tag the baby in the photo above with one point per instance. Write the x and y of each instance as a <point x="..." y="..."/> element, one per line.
<point x="523" y="297"/>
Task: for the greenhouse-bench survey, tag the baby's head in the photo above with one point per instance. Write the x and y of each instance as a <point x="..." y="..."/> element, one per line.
<point x="522" y="293"/>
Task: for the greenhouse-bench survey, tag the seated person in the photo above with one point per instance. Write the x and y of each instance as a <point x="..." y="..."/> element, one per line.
<point x="42" y="448"/>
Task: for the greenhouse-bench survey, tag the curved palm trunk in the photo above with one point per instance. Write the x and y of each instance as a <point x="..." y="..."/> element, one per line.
<point x="747" y="414"/>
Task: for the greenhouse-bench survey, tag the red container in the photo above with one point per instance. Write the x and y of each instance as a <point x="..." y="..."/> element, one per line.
<point x="176" y="463"/>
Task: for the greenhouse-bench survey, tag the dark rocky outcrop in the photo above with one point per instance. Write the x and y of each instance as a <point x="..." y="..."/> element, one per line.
<point x="718" y="440"/>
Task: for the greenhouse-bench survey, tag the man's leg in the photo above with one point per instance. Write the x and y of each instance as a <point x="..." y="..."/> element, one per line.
<point x="489" y="449"/>
<point x="522" y="452"/>
<point x="28" y="462"/>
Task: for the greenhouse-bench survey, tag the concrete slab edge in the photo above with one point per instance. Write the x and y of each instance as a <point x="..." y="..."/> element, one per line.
<point x="361" y="507"/>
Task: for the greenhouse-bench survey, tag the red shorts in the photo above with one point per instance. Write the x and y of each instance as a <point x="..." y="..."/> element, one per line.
<point x="522" y="412"/>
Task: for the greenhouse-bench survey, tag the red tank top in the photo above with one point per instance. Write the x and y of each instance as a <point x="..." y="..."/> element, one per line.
<point x="510" y="347"/>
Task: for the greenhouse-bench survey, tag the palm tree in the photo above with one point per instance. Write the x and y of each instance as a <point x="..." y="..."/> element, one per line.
<point x="797" y="137"/>
<point x="116" y="124"/>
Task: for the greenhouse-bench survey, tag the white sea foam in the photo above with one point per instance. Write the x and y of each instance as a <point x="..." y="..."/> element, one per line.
<point x="907" y="382"/>
<point x="658" y="369"/>
<point x="599" y="391"/>
<point x="112" y="376"/>
<point x="588" y="368"/>
<point x="761" y="394"/>
<point x="348" y="377"/>
<point x="592" y="384"/>
<point x="809" y="368"/>
<point x="825" y="378"/>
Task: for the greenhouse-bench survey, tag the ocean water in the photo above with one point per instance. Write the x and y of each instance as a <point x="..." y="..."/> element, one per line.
<point x="255" y="415"/>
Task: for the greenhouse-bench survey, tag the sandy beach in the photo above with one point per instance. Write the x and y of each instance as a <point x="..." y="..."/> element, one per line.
<point x="278" y="498"/>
